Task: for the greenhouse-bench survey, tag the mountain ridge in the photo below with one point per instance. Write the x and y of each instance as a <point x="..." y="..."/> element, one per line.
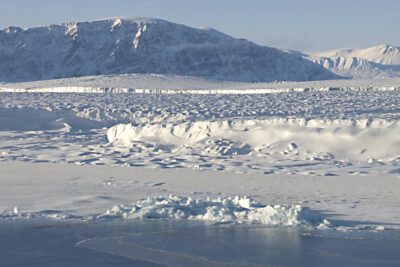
<point x="143" y="45"/>
<point x="380" y="61"/>
<point x="382" y="54"/>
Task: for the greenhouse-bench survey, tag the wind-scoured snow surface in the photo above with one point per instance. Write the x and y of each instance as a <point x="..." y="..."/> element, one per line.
<point x="143" y="45"/>
<point x="330" y="130"/>
<point x="352" y="125"/>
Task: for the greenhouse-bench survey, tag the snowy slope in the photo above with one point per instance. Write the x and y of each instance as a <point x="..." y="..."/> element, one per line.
<point x="374" y="62"/>
<point x="118" y="46"/>
<point x="381" y="54"/>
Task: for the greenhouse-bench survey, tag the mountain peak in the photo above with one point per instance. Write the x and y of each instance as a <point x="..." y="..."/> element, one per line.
<point x="125" y="20"/>
<point x="12" y="29"/>
<point x="386" y="49"/>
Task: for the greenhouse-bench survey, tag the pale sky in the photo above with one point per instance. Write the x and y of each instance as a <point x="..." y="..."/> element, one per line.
<point x="307" y="25"/>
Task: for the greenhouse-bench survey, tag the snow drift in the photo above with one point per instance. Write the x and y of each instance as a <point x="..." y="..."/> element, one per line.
<point x="38" y="119"/>
<point x="358" y="140"/>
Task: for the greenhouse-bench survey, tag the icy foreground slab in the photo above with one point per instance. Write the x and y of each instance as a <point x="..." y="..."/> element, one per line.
<point x="237" y="210"/>
<point x="75" y="192"/>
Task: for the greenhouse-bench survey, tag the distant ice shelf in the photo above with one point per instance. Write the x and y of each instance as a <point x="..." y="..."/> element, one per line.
<point x="174" y="84"/>
<point x="100" y="90"/>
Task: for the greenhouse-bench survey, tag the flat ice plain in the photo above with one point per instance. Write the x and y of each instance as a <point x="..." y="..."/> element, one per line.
<point x="316" y="155"/>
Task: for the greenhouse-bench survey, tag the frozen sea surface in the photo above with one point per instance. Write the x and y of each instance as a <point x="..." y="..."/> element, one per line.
<point x="171" y="243"/>
<point x="306" y="133"/>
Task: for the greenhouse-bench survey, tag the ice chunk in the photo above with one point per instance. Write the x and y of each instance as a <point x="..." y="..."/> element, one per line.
<point x="238" y="210"/>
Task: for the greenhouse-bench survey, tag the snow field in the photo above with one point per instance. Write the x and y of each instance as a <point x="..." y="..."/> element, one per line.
<point x="337" y="147"/>
<point x="76" y="192"/>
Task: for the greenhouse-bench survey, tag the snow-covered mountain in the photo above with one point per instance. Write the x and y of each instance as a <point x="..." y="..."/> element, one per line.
<point x="141" y="45"/>
<point x="380" y="61"/>
<point x="381" y="54"/>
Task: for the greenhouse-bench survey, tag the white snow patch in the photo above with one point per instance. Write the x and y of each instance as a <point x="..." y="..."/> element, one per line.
<point x="238" y="210"/>
<point x="117" y="23"/>
<point x="72" y="29"/>
<point x="141" y="28"/>
<point x="120" y="133"/>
